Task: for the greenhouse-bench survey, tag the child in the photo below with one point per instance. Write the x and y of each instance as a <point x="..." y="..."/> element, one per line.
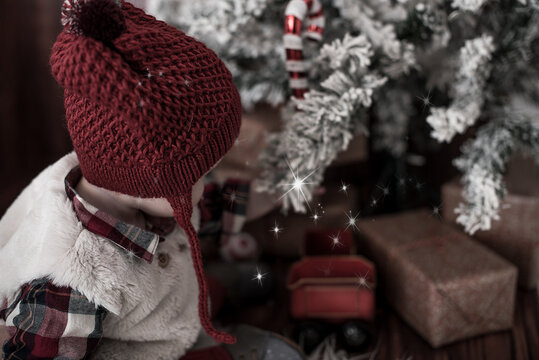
<point x="149" y="111"/>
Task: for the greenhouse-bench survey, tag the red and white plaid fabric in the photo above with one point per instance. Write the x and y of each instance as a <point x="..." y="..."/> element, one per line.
<point x="224" y="209"/>
<point x="140" y="242"/>
<point x="46" y="321"/>
<point x="226" y="213"/>
<point x="235" y="244"/>
<point x="235" y="196"/>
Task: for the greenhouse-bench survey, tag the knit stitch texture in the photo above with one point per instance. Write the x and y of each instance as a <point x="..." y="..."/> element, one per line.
<point x="149" y="110"/>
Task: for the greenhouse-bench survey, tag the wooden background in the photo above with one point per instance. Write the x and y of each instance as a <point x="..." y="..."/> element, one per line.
<point x="32" y="128"/>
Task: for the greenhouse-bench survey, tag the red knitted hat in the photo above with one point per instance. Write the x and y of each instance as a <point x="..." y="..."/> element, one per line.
<point x="149" y="109"/>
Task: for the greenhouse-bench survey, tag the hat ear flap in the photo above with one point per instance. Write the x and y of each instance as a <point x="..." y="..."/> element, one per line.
<point x="92" y="70"/>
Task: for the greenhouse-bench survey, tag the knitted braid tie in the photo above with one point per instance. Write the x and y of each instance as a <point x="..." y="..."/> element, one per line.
<point x="183" y="209"/>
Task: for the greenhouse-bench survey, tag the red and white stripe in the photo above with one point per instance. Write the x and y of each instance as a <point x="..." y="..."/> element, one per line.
<point x="295" y="14"/>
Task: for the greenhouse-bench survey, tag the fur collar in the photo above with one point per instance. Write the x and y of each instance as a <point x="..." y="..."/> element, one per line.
<point x="42" y="237"/>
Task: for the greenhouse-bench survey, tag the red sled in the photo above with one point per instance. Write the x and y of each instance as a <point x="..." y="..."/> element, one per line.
<point x="332" y="288"/>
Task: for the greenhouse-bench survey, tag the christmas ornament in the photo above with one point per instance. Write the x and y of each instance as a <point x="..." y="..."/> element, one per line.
<point x="295" y="14"/>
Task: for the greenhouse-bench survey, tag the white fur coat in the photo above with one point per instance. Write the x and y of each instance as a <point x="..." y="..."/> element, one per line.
<point x="153" y="310"/>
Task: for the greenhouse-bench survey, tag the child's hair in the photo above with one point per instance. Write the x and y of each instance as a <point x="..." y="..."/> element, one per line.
<point x="149" y="109"/>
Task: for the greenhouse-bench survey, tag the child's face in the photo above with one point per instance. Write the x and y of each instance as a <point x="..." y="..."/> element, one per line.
<point x="161" y="207"/>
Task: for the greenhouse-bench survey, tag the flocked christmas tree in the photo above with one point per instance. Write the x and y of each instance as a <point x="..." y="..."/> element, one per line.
<point x="471" y="61"/>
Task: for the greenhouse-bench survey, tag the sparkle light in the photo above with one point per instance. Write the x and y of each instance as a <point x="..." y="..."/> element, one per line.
<point x="259" y="276"/>
<point x="239" y="141"/>
<point x="232" y="198"/>
<point x="362" y="280"/>
<point x="385" y="190"/>
<point x="351" y="222"/>
<point x="276" y="230"/>
<point x="326" y="270"/>
<point x="425" y="100"/>
<point x="335" y="241"/>
<point x="315" y="217"/>
<point x="344" y="188"/>
<point x="298" y="184"/>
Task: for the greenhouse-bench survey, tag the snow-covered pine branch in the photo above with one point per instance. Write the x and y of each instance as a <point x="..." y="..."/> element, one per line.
<point x="216" y="21"/>
<point x="483" y="161"/>
<point x="392" y="116"/>
<point x="468" y="91"/>
<point x="468" y="5"/>
<point x="324" y="123"/>
<point x="398" y="57"/>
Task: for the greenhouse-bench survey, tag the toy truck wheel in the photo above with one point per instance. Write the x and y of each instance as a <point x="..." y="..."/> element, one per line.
<point x="309" y="334"/>
<point x="354" y="336"/>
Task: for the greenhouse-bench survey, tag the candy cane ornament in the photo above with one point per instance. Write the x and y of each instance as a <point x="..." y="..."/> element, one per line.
<point x="295" y="14"/>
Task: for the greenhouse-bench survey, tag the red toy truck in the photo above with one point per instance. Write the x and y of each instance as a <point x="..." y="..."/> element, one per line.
<point x="332" y="290"/>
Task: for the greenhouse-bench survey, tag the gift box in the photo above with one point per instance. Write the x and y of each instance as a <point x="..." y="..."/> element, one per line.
<point x="515" y="235"/>
<point x="445" y="285"/>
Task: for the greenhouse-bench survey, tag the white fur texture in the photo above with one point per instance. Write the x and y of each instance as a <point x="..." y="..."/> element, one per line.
<point x="153" y="310"/>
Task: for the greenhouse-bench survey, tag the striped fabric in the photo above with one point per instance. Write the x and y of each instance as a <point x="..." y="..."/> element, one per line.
<point x="46" y="321"/>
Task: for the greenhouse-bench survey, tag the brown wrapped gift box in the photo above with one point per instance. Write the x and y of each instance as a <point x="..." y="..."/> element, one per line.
<point x="515" y="236"/>
<point x="445" y="285"/>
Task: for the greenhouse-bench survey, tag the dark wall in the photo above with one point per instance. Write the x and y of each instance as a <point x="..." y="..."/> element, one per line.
<point x="32" y="127"/>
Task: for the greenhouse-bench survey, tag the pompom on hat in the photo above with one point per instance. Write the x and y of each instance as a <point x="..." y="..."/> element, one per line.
<point x="149" y="109"/>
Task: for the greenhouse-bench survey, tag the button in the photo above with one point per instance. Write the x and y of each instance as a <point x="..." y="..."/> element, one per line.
<point x="163" y="259"/>
<point x="182" y="247"/>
